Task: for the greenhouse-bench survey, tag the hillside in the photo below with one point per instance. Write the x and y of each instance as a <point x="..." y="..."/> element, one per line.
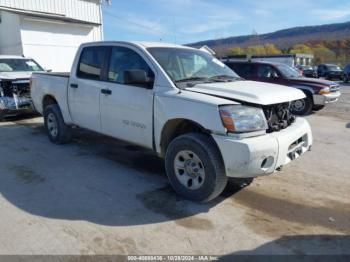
<point x="284" y="38"/>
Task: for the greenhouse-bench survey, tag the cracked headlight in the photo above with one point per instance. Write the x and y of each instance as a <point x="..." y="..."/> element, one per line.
<point x="240" y="119"/>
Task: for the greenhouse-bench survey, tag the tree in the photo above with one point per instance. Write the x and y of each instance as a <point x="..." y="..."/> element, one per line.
<point x="236" y="50"/>
<point x="323" y="54"/>
<point x="271" y="49"/>
<point x="300" y="49"/>
<point x="256" y="50"/>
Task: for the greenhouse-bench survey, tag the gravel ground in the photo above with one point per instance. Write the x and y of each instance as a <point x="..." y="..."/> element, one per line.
<point x="102" y="196"/>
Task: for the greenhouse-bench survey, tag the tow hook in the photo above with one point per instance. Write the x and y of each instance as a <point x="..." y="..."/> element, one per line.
<point x="279" y="168"/>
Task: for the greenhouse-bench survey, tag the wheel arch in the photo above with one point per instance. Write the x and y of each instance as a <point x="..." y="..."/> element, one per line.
<point x="176" y="127"/>
<point x="48" y="100"/>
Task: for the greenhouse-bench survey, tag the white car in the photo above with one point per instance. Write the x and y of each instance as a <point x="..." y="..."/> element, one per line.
<point x="15" y="72"/>
<point x="181" y="102"/>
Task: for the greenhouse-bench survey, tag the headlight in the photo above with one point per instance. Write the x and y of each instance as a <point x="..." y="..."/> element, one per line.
<point x="325" y="91"/>
<point x="239" y="119"/>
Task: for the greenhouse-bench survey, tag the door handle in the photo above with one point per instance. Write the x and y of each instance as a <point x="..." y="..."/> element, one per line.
<point x="73" y="85"/>
<point x="106" y="91"/>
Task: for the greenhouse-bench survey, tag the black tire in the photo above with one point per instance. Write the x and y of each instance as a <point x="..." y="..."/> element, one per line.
<point x="63" y="134"/>
<point x="306" y="109"/>
<point x="215" y="178"/>
<point x="318" y="107"/>
<point x="346" y="78"/>
<point x="2" y="115"/>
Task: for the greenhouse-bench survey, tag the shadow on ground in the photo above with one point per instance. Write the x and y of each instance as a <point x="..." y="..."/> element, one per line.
<point x="95" y="178"/>
<point x="297" y="248"/>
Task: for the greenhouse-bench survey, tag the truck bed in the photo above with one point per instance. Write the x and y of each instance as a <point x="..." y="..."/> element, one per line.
<point x="61" y="74"/>
<point x="54" y="84"/>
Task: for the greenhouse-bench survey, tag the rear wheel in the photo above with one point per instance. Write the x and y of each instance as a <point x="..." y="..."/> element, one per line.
<point x="195" y="168"/>
<point x="302" y="107"/>
<point x="2" y="115"/>
<point x="57" y="130"/>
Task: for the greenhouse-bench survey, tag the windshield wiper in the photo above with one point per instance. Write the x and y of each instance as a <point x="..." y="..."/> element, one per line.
<point x="225" y="77"/>
<point x="192" y="79"/>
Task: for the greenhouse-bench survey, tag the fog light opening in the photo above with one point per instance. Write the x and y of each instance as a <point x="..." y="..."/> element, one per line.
<point x="267" y="163"/>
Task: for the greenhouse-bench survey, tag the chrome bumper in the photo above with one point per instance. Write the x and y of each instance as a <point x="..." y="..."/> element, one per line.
<point x="325" y="99"/>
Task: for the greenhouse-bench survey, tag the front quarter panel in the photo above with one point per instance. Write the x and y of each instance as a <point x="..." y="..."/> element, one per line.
<point x="198" y="108"/>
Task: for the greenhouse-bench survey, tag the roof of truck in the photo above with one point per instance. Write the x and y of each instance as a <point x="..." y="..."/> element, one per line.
<point x="141" y="43"/>
<point x="12" y="57"/>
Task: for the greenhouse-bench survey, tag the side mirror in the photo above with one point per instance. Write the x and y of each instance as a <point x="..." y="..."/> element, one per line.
<point x="138" y="78"/>
<point x="48" y="70"/>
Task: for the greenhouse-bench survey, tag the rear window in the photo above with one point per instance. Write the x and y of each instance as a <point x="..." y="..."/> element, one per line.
<point x="91" y="62"/>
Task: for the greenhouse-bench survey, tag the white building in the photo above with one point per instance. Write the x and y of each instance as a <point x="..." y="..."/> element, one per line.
<point x="49" y="31"/>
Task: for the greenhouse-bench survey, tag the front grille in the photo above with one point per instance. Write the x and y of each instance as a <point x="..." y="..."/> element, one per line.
<point x="278" y="117"/>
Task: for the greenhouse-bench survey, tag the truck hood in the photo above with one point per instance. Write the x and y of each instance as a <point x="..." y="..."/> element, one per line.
<point x="15" y="75"/>
<point x="312" y="81"/>
<point x="250" y="92"/>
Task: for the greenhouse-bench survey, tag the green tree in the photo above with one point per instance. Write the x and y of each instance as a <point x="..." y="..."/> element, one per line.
<point x="271" y="49"/>
<point x="256" y="50"/>
<point x="236" y="50"/>
<point x="300" y="49"/>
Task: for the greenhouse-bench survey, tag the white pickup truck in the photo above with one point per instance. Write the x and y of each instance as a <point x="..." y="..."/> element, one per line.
<point x="192" y="110"/>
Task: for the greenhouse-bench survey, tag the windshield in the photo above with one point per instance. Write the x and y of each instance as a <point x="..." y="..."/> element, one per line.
<point x="288" y="71"/>
<point x="19" y="65"/>
<point x="187" y="64"/>
<point x="333" y="67"/>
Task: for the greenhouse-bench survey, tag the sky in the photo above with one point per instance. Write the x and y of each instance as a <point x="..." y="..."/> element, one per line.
<point x="188" y="21"/>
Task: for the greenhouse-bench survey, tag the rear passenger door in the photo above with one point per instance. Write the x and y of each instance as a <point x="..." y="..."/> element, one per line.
<point x="84" y="88"/>
<point x="127" y="110"/>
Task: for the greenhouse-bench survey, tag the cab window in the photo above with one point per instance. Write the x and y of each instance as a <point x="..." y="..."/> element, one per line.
<point x="243" y="70"/>
<point x="91" y="62"/>
<point x="267" y="71"/>
<point x="124" y="59"/>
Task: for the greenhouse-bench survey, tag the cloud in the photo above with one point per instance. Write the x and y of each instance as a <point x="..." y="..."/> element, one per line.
<point x="331" y="14"/>
<point x="262" y="12"/>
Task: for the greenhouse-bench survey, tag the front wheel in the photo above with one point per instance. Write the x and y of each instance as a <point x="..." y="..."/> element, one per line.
<point x="302" y="107"/>
<point x="195" y="168"/>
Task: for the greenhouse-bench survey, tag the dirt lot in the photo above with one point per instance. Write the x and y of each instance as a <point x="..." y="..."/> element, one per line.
<point x="101" y="196"/>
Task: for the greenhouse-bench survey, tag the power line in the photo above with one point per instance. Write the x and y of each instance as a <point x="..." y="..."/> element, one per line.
<point x="108" y="13"/>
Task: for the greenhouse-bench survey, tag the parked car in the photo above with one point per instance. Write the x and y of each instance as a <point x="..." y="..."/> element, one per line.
<point x="15" y="72"/>
<point x="346" y="76"/>
<point x="182" y="103"/>
<point x="330" y="71"/>
<point x="308" y="70"/>
<point x="318" y="92"/>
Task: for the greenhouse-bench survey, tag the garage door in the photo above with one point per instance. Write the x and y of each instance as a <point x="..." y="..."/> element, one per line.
<point x="53" y="44"/>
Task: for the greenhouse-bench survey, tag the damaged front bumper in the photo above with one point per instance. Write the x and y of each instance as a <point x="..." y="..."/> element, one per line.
<point x="15" y="97"/>
<point x="262" y="155"/>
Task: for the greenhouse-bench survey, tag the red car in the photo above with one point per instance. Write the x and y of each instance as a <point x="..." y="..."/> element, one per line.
<point x="318" y="92"/>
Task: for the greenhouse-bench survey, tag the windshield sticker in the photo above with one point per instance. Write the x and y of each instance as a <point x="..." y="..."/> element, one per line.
<point x="218" y="62"/>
